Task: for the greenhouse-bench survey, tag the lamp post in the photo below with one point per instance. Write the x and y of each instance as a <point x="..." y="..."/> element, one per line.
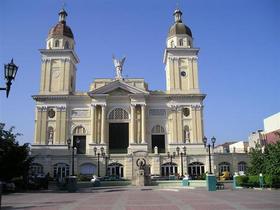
<point x="102" y="154"/>
<point x="73" y="149"/>
<point x="213" y="140"/>
<point x="171" y="157"/>
<point x="183" y="154"/>
<point x="10" y="72"/>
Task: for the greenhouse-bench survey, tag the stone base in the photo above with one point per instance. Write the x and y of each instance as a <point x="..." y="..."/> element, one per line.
<point x="191" y="149"/>
<point x="137" y="147"/>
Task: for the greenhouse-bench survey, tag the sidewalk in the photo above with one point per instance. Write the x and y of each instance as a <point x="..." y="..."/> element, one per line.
<point x="145" y="198"/>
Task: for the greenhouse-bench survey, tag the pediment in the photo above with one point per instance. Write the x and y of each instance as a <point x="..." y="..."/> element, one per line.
<point x="118" y="88"/>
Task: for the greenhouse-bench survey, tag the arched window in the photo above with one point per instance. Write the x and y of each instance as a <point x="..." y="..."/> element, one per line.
<point x="242" y="166"/>
<point x="118" y="114"/>
<point x="115" y="169"/>
<point x="60" y="170"/>
<point x="56" y="43"/>
<point x="224" y="166"/>
<point x="36" y="169"/>
<point x="50" y="135"/>
<point x="181" y="42"/>
<point x="79" y="130"/>
<point x="169" y="169"/>
<point x="157" y="129"/>
<point x="66" y="45"/>
<point x="87" y="169"/>
<point x="195" y="170"/>
<point x="186" y="134"/>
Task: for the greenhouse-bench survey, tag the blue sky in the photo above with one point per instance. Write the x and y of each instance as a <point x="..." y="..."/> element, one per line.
<point x="239" y="60"/>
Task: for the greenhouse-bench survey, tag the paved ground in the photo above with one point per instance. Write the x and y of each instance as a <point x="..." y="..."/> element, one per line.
<point x="146" y="198"/>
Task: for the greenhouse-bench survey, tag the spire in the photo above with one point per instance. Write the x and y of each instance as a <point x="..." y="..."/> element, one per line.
<point x="62" y="16"/>
<point x="177" y="15"/>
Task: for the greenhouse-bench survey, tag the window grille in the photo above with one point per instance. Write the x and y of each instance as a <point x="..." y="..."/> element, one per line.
<point x="118" y="114"/>
<point x="157" y="129"/>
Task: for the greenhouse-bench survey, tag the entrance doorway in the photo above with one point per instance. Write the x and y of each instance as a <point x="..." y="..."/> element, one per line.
<point x="159" y="141"/>
<point x="118" y="137"/>
<point x="158" y="138"/>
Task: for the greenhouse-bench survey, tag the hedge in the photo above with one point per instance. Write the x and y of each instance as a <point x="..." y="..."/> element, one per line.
<point x="253" y="181"/>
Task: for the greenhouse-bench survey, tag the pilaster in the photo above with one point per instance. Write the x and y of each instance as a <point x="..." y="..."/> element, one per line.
<point x="132" y="124"/>
<point x="143" y="123"/>
<point x="103" y="125"/>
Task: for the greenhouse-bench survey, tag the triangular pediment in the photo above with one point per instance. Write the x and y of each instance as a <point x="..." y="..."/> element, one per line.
<point x="118" y="87"/>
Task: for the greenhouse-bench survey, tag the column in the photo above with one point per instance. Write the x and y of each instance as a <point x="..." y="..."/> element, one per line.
<point x="132" y="124"/>
<point x="191" y="80"/>
<point x="103" y="118"/>
<point x="195" y="74"/>
<point x="143" y="123"/>
<point x="58" y="122"/>
<point x="44" y="126"/>
<point x="63" y="125"/>
<point x="194" y="124"/>
<point x="38" y="125"/>
<point x="93" y="124"/>
<point x="199" y="124"/>
<point x="179" y="126"/>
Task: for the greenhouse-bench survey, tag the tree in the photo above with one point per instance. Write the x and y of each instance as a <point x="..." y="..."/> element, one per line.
<point x="265" y="161"/>
<point x="14" y="158"/>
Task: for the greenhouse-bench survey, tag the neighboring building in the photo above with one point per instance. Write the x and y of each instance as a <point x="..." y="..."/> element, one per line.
<point x="270" y="134"/>
<point x="223" y="148"/>
<point x="239" y="147"/>
<point x="255" y="138"/>
<point x="272" y="128"/>
<point x="121" y="116"/>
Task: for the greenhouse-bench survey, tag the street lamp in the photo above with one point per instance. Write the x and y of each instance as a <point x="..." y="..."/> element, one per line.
<point x="213" y="140"/>
<point x="10" y="71"/>
<point x="98" y="159"/>
<point x="183" y="154"/>
<point x="73" y="148"/>
<point x="171" y="157"/>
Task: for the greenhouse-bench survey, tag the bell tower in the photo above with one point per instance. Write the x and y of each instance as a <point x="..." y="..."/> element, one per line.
<point x="180" y="59"/>
<point x="58" y="68"/>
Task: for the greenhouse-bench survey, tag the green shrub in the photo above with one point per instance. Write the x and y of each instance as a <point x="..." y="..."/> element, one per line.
<point x="272" y="181"/>
<point x="84" y="177"/>
<point x="241" y="180"/>
<point x="254" y="181"/>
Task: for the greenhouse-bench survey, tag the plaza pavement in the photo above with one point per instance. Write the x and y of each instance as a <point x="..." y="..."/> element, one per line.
<point x="144" y="198"/>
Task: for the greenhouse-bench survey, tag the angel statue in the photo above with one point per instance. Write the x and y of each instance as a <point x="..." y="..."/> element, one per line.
<point x="118" y="65"/>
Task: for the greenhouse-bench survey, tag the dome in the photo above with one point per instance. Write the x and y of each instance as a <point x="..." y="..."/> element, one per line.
<point x="179" y="28"/>
<point x="61" y="29"/>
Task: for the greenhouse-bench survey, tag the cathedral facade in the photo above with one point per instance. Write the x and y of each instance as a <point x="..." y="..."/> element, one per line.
<point x="119" y="120"/>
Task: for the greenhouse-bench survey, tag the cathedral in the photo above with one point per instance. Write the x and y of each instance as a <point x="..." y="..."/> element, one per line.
<point x="119" y="120"/>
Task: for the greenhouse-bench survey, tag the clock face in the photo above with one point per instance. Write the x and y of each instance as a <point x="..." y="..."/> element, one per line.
<point x="183" y="73"/>
<point x="51" y="113"/>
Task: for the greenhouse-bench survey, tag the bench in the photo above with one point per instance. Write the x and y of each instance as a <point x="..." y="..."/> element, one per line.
<point x="220" y="186"/>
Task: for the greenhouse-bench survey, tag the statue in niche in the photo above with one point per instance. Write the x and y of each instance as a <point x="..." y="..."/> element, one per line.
<point x="118" y="66"/>
<point x="187" y="136"/>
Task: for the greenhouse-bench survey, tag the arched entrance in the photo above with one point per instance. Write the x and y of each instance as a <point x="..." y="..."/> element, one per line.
<point x="115" y="169"/>
<point x="118" y="130"/>
<point x="169" y="169"/>
<point x="196" y="170"/>
<point x="60" y="170"/>
<point x="87" y="169"/>
<point x="158" y="138"/>
<point x="79" y="134"/>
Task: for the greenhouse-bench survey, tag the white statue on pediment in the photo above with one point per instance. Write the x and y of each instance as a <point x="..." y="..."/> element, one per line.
<point x="118" y="66"/>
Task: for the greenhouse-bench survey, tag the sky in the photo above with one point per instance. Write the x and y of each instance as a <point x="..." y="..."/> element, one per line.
<point x="239" y="59"/>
